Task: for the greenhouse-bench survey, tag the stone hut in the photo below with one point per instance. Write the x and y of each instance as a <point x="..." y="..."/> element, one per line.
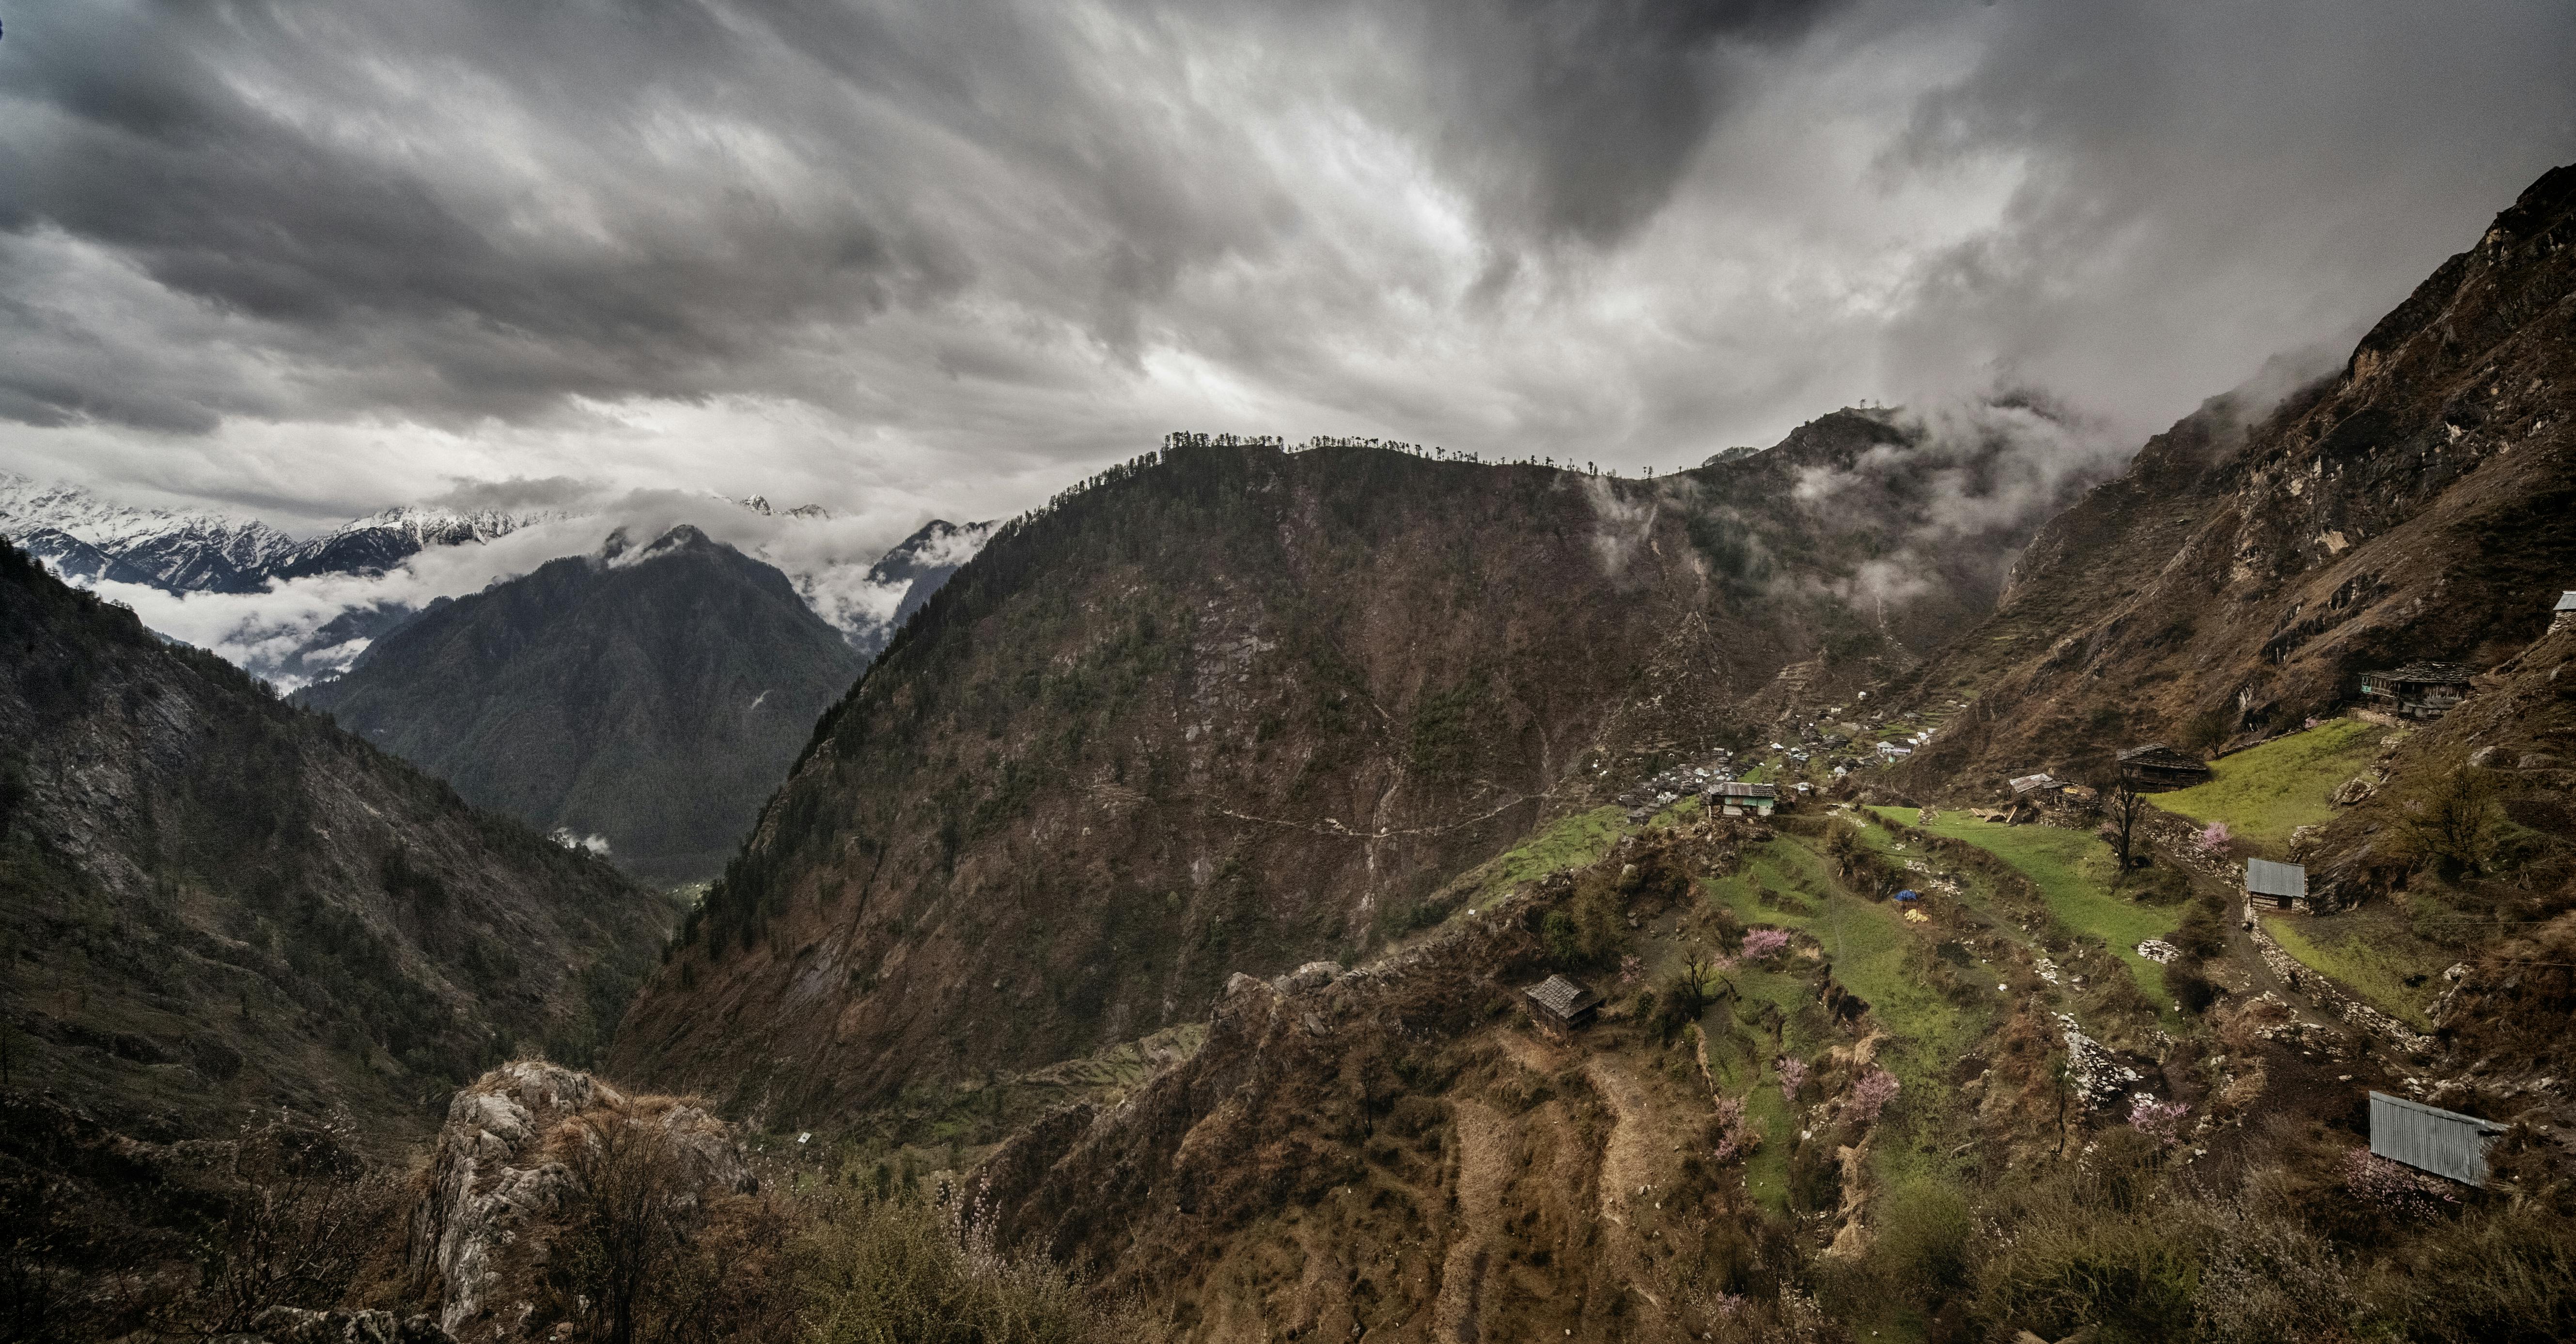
<point x="1561" y="1006"/>
<point x="2157" y="767"/>
<point x="2418" y="690"/>
<point x="2564" y="614"/>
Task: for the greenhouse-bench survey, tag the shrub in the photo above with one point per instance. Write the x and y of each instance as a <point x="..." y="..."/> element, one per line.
<point x="2393" y="1188"/>
<point x="2505" y="1279"/>
<point x="1924" y="1234"/>
<point x="2190" y="987"/>
<point x="879" y="1271"/>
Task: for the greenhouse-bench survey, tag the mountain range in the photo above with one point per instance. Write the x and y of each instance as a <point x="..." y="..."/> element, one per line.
<point x="322" y="630"/>
<point x="1294" y="888"/>
<point x="641" y="701"/>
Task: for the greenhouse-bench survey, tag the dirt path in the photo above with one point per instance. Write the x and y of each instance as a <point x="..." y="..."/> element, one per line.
<point x="1485" y="1142"/>
<point x="1625" y="1164"/>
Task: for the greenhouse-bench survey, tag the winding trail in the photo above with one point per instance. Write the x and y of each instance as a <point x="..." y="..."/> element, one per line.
<point x="1484" y="1141"/>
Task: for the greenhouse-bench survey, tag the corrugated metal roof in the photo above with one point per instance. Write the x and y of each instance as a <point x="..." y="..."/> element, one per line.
<point x="2160" y="755"/>
<point x="1736" y="788"/>
<point x="1563" y="997"/>
<point x="2266" y="878"/>
<point x="2567" y="600"/>
<point x="2428" y="1138"/>
<point x="2026" y="783"/>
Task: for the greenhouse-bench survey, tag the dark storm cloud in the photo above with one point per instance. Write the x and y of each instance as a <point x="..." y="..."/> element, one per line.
<point x="616" y="228"/>
<point x="367" y="249"/>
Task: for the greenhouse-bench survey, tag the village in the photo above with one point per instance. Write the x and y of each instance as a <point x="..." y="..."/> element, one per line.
<point x="2120" y="875"/>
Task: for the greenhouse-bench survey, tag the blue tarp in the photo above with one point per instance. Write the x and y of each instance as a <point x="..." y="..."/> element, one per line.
<point x="1909" y="895"/>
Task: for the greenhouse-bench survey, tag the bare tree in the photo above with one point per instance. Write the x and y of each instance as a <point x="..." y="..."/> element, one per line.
<point x="2455" y="820"/>
<point x="2124" y="805"/>
<point x="303" y="1218"/>
<point x="626" y="1225"/>
<point x="1691" y="985"/>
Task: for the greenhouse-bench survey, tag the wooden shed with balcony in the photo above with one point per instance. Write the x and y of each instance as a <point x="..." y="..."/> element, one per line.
<point x="2418" y="690"/>
<point x="1561" y="1006"/>
<point x="2156" y="767"/>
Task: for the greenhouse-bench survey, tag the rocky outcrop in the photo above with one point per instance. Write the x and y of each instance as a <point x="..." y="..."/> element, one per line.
<point x="299" y="1325"/>
<point x="501" y="1173"/>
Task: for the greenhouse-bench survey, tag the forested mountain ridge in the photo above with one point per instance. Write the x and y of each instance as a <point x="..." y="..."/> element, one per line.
<point x="214" y="901"/>
<point x="1233" y="708"/>
<point x="647" y="697"/>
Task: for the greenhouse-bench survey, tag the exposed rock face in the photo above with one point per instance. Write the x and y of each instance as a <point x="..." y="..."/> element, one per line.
<point x="2420" y="505"/>
<point x="1228" y="710"/>
<point x="257" y="910"/>
<point x="498" y="1177"/>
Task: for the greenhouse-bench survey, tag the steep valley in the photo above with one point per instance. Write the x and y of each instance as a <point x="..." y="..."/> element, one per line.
<point x="1230" y="708"/>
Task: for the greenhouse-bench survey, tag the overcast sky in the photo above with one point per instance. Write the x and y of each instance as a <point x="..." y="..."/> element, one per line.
<point x="309" y="259"/>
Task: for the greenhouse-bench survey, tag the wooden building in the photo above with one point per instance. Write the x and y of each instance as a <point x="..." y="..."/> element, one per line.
<point x="2418" y="690"/>
<point x="2156" y="767"/>
<point x="2428" y="1138"/>
<point x="1735" y="798"/>
<point x="2283" y="886"/>
<point x="1561" y="1006"/>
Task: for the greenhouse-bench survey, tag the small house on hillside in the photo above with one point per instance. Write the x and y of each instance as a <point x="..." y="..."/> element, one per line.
<point x="2418" y="690"/>
<point x="2283" y="886"/>
<point x="2565" y="613"/>
<point x="1736" y="798"/>
<point x="2428" y="1138"/>
<point x="1561" y="1006"/>
<point x="2156" y="767"/>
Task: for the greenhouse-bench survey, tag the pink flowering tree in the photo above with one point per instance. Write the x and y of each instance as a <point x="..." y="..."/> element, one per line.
<point x="1870" y="1095"/>
<point x="1793" y="1075"/>
<point x="2158" y="1120"/>
<point x="1763" y="944"/>
<point x="1736" y="1137"/>
<point x="2215" y="838"/>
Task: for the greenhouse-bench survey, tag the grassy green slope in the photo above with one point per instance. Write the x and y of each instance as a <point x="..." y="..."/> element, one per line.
<point x="2074" y="872"/>
<point x="2263" y="793"/>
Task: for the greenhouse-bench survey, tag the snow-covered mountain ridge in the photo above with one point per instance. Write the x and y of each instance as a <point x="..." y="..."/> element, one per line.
<point x="296" y="611"/>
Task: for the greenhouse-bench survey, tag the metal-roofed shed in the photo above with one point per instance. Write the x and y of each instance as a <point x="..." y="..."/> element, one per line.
<point x="2428" y="1138"/>
<point x="2284" y="885"/>
<point x="1735" y="797"/>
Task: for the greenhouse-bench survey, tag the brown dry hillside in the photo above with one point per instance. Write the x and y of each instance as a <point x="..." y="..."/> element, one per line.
<point x="1231" y="709"/>
<point x="2420" y="505"/>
